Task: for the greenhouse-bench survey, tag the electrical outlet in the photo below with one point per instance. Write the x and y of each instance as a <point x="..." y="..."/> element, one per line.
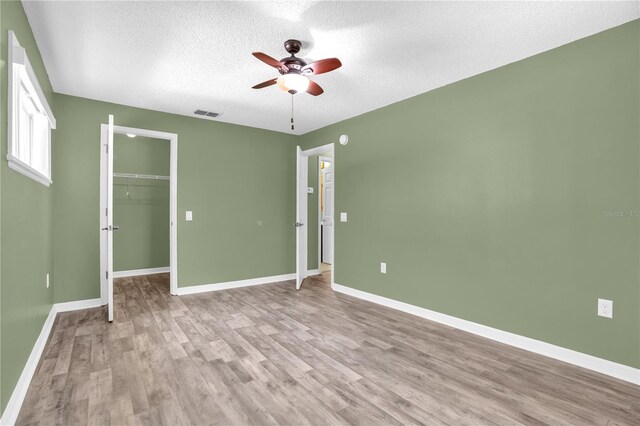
<point x="47" y="280"/>
<point x="605" y="308"/>
<point x="343" y="217"/>
<point x="383" y="268"/>
<point x="188" y="216"/>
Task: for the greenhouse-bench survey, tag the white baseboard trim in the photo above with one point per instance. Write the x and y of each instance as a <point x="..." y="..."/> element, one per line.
<point x="313" y="272"/>
<point x="234" y="284"/>
<point x="10" y="414"/>
<point x="590" y="362"/>
<point x="139" y="272"/>
<point x="11" y="411"/>
<point x="78" y="304"/>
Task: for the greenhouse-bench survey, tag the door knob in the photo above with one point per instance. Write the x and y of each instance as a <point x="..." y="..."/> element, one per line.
<point x="298" y="224"/>
<point x="115" y="228"/>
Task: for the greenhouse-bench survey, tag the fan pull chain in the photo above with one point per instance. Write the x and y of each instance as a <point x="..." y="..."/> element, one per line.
<point x="292" y="126"/>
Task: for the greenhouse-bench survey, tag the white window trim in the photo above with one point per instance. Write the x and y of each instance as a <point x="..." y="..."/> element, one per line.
<point x="18" y="58"/>
<point x="20" y="166"/>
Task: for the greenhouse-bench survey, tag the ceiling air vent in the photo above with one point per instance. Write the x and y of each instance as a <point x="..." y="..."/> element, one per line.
<point x="207" y="113"/>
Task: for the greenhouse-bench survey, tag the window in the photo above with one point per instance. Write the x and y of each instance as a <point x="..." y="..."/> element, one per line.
<point x="31" y="119"/>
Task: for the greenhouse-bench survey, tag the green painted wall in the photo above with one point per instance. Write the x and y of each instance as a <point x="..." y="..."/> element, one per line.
<point x="26" y="223"/>
<point x="231" y="177"/>
<point x="497" y="199"/>
<point x="507" y="199"/>
<point x="140" y="206"/>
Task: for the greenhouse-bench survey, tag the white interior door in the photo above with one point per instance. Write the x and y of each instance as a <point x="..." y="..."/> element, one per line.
<point x="326" y="219"/>
<point x="302" y="163"/>
<point x="106" y="214"/>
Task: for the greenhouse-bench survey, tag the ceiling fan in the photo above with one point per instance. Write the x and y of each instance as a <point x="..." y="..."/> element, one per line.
<point x="295" y="71"/>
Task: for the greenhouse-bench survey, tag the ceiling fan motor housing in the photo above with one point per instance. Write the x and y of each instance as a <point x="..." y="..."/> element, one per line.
<point x="293" y="64"/>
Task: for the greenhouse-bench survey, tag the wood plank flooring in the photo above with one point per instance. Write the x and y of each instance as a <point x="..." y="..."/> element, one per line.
<point x="271" y="355"/>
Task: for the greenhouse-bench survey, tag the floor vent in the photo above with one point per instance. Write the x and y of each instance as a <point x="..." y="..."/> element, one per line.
<point x="210" y="114"/>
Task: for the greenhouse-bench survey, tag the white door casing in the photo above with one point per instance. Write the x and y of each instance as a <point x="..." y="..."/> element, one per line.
<point x="106" y="206"/>
<point x="302" y="170"/>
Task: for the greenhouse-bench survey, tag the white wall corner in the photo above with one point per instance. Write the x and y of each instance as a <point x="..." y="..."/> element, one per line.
<point x="590" y="362"/>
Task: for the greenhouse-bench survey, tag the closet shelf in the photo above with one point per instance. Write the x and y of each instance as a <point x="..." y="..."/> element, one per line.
<point x="139" y="176"/>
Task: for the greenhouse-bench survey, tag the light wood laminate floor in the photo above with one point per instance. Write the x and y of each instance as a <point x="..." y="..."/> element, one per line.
<point x="272" y="355"/>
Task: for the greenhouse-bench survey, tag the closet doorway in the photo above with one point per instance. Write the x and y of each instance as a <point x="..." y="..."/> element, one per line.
<point x="138" y="205"/>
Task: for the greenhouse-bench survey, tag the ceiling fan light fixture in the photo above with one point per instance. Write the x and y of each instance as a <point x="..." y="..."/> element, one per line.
<point x="293" y="83"/>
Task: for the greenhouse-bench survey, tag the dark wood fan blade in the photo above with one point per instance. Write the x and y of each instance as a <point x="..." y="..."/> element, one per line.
<point x="322" y="66"/>
<point x="269" y="60"/>
<point x="314" y="89"/>
<point x="265" y="84"/>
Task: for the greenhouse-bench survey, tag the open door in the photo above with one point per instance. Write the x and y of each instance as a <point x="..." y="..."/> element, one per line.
<point x="326" y="213"/>
<point x="106" y="224"/>
<point x="302" y="163"/>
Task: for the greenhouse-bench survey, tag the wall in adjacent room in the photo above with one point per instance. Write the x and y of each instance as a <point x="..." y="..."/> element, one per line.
<point x="140" y="206"/>
<point x="509" y="199"/>
<point x="312" y="209"/>
<point x="238" y="181"/>
<point x="26" y="223"/>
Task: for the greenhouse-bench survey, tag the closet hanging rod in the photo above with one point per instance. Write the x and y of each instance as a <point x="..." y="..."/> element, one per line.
<point x="139" y="176"/>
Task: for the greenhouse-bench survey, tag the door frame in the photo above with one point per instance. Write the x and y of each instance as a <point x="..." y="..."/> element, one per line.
<point x="330" y="147"/>
<point x="173" y="201"/>
<point x="320" y="160"/>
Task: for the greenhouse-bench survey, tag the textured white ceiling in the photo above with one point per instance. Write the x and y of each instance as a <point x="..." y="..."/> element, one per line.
<point x="182" y="56"/>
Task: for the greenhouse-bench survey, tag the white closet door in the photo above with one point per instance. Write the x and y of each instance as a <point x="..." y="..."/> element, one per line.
<point x="106" y="215"/>
<point x="302" y="163"/>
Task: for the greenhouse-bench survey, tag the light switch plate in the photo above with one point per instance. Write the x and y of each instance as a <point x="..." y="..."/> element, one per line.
<point x="383" y="268"/>
<point x="189" y="216"/>
<point x="47" y="280"/>
<point x="343" y="217"/>
<point x="605" y="308"/>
